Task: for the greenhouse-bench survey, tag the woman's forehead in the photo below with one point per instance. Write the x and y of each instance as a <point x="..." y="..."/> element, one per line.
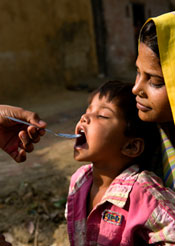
<point x="148" y="60"/>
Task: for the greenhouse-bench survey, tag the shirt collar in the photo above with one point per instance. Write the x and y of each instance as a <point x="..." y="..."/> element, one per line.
<point x="121" y="186"/>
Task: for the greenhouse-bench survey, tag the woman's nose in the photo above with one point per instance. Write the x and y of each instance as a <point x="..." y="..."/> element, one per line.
<point x="138" y="90"/>
<point x="85" y="118"/>
<point x="135" y="89"/>
<point x="139" y="87"/>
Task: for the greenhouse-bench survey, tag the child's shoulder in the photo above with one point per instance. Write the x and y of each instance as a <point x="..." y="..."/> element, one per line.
<point x="153" y="205"/>
<point x="79" y="177"/>
<point x="148" y="178"/>
<point x="149" y="182"/>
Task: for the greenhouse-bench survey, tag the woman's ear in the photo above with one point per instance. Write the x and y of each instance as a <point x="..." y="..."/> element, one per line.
<point x="133" y="148"/>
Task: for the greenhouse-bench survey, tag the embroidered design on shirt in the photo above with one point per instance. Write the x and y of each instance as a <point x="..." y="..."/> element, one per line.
<point x="112" y="217"/>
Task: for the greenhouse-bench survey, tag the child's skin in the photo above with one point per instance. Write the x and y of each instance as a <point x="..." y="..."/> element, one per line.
<point x="106" y="145"/>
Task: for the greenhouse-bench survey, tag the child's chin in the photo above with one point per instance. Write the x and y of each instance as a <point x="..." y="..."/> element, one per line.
<point x="78" y="157"/>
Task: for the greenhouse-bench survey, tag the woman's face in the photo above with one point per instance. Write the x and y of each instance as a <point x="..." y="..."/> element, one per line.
<point x="151" y="95"/>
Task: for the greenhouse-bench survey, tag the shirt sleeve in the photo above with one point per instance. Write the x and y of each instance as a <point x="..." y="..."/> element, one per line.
<point x="161" y="224"/>
<point x="76" y="181"/>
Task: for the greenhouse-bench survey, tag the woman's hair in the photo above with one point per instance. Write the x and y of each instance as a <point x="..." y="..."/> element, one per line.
<point x="148" y="36"/>
<point x="120" y="93"/>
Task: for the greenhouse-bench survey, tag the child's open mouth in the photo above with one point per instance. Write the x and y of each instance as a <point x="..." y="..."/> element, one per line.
<point x="81" y="141"/>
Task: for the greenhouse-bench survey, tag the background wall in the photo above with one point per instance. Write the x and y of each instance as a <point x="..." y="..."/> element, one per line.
<point x="123" y="20"/>
<point x="44" y="42"/>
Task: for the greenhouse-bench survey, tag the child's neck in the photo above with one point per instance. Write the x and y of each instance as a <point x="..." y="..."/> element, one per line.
<point x="105" y="172"/>
<point x="102" y="178"/>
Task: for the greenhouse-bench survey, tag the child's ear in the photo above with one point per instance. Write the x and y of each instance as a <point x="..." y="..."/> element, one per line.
<point x="133" y="148"/>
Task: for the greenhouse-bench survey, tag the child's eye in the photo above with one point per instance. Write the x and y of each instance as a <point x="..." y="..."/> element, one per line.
<point x="102" y="116"/>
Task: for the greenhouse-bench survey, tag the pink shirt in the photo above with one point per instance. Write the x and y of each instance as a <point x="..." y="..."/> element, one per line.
<point x="135" y="205"/>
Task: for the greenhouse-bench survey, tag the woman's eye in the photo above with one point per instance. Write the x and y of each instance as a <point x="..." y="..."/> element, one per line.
<point x="157" y="85"/>
<point x="137" y="72"/>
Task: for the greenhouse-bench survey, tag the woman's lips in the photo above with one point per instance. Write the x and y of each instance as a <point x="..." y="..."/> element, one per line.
<point x="142" y="107"/>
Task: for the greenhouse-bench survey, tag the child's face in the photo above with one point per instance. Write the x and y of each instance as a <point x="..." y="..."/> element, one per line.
<point x="102" y="128"/>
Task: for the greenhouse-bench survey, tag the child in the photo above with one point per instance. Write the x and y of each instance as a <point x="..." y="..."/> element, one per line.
<point x="115" y="200"/>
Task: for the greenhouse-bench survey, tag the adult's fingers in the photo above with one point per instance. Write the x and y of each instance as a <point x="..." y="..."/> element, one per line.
<point x="26" y="142"/>
<point x="33" y="118"/>
<point x="34" y="134"/>
<point x="19" y="156"/>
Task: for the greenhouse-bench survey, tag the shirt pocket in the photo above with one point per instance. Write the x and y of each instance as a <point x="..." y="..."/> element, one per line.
<point x="111" y="228"/>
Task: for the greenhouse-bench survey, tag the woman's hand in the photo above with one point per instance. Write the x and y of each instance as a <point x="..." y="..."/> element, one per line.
<point x="15" y="138"/>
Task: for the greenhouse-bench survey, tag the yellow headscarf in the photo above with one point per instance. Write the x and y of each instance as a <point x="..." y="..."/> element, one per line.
<point x="165" y="29"/>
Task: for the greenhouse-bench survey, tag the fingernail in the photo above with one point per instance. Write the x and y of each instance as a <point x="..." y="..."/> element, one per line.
<point x="23" y="136"/>
<point x="41" y="122"/>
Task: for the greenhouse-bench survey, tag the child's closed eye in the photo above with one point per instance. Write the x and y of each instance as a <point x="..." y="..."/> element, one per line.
<point x="102" y="116"/>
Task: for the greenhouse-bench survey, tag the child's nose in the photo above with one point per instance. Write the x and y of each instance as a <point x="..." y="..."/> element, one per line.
<point x="85" y="118"/>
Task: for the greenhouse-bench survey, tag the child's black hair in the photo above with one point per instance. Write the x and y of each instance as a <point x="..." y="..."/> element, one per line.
<point x="120" y="93"/>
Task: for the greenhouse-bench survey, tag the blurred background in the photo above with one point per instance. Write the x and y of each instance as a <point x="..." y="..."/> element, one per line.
<point x="52" y="54"/>
<point x="69" y="43"/>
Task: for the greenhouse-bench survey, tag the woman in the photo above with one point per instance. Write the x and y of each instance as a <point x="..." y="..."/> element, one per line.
<point x="155" y="84"/>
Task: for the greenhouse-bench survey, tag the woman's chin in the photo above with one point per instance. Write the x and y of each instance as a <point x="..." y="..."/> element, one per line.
<point x="150" y="117"/>
<point x="145" y="116"/>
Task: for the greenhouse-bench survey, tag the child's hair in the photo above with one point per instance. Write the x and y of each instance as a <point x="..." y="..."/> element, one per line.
<point x="120" y="93"/>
